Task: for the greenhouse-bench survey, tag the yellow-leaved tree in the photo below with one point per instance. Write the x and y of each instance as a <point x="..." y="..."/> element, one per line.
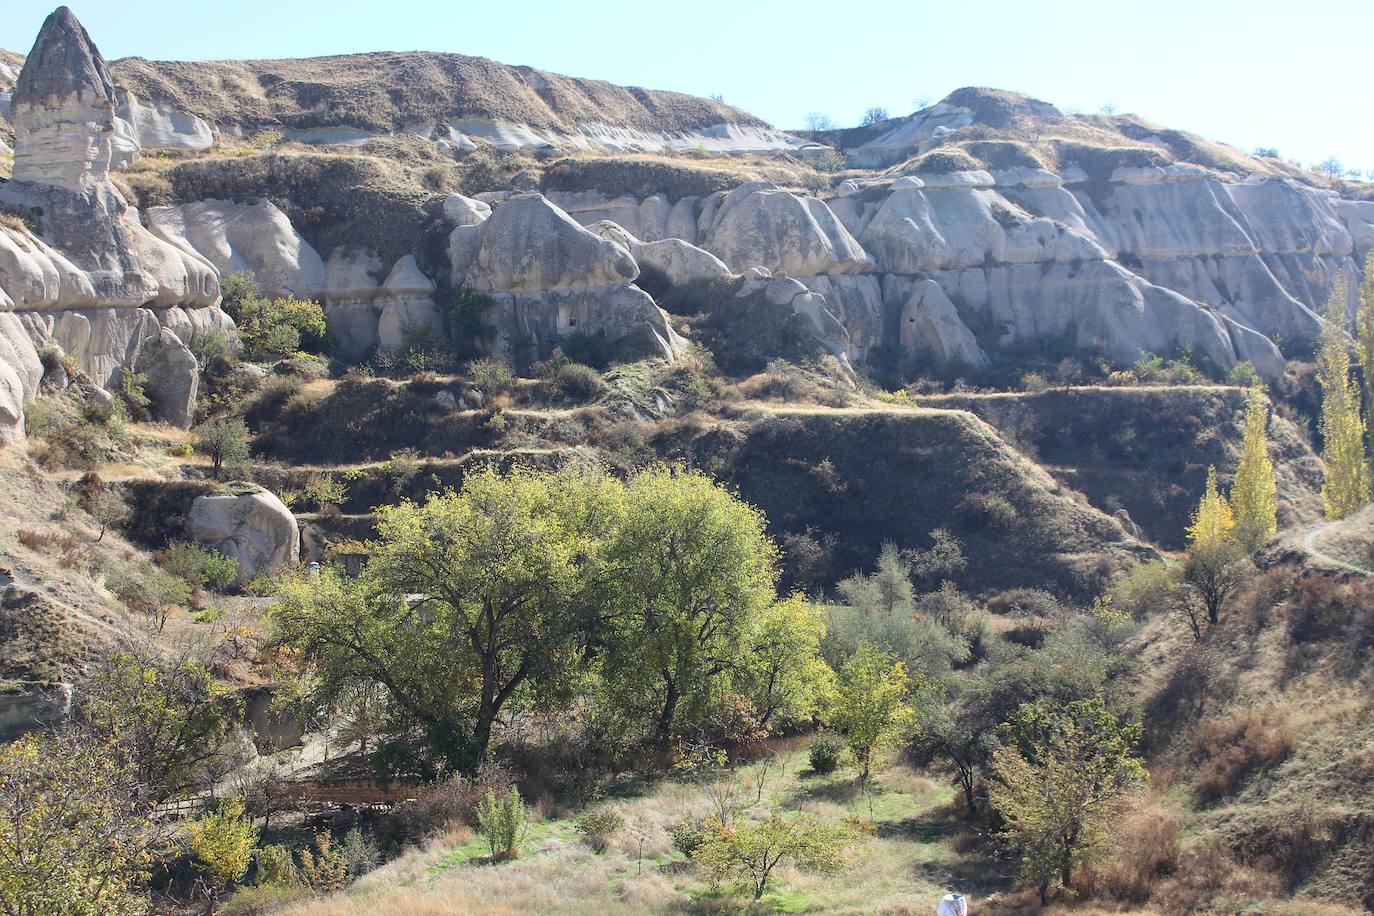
<point x="1213" y="519"/>
<point x="1254" y="494"/>
<point x="1346" y="487"/>
<point x="1214" y="567"/>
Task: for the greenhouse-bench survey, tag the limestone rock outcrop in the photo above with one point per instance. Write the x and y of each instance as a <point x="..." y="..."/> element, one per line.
<point x="89" y="278"/>
<point x="677" y="261"/>
<point x="549" y="277"/>
<point x="253" y="527"/>
<point x="63" y="108"/>
<point x="239" y="238"/>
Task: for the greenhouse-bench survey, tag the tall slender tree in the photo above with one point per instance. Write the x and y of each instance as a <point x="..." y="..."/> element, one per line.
<point x="1364" y="343"/>
<point x="1346" y="487"/>
<point x="1254" y="494"/>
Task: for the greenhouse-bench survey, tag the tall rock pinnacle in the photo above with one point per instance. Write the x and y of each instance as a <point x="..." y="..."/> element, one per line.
<point x="63" y="108"/>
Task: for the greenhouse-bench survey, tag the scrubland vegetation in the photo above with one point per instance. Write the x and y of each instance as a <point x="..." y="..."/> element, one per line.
<point x="630" y="636"/>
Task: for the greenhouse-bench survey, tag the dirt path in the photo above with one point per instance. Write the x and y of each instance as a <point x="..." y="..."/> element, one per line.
<point x="1310" y="546"/>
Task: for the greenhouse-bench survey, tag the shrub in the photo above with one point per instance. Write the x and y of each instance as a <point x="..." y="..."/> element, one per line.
<point x="326" y="869"/>
<point x="199" y="567"/>
<point x="825" y="753"/>
<point x="277" y="866"/>
<point x="503" y="821"/>
<point x="1146" y="848"/>
<point x="578" y="382"/>
<point x="688" y="835"/>
<point x="453" y="801"/>
<point x="132" y="390"/>
<point x="325" y="489"/>
<point x="490" y="376"/>
<point x="598" y="827"/>
<point x="987" y="510"/>
<point x="221" y="845"/>
<point x="360" y="853"/>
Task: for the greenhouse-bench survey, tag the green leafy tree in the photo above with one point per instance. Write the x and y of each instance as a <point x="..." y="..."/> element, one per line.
<point x="1345" y="488"/>
<point x="221" y="844"/>
<point x="273" y="328"/>
<point x="781" y="671"/>
<point x="888" y="591"/>
<point x="872" y="709"/>
<point x="749" y="852"/>
<point x="148" y="590"/>
<point x="1059" y="781"/>
<point x="75" y="839"/>
<point x="1254" y="494"/>
<point x="224" y="441"/>
<point x="167" y="719"/>
<point x="468" y="598"/>
<point x="688" y="570"/>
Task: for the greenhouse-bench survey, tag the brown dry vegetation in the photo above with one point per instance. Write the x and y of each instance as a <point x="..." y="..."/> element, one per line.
<point x="1146" y="450"/>
<point x="389" y="91"/>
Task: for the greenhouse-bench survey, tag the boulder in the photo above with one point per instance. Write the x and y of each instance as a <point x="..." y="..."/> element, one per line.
<point x="465" y="211"/>
<point x="254" y="527"/>
<point x="173" y="379"/>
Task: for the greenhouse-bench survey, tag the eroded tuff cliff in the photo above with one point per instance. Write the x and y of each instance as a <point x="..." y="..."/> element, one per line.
<point x="975" y="229"/>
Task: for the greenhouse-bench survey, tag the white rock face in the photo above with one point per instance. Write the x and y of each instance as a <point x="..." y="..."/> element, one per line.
<point x="551" y="278"/>
<point x="528" y="244"/>
<point x="678" y="261"/>
<point x="930" y="320"/>
<point x="256" y="529"/>
<point x="407" y="310"/>
<point x="97" y="284"/>
<point x="104" y="342"/>
<point x="138" y="126"/>
<point x="760" y="224"/>
<point x="238" y="238"/>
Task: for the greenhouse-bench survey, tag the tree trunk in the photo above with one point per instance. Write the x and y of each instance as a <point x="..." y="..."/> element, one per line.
<point x="663" y="730"/>
<point x="966" y="780"/>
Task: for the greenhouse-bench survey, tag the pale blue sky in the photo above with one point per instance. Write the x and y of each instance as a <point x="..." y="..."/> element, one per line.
<point x="1260" y="73"/>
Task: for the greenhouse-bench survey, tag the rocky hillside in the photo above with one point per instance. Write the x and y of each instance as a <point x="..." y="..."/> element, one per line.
<point x="453" y="99"/>
<point x="972" y="238"/>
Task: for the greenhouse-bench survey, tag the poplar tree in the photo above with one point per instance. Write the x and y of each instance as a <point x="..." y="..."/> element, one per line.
<point x="1364" y="344"/>
<point x="1346" y="487"/>
<point x="1213" y="520"/>
<point x="1254" y="494"/>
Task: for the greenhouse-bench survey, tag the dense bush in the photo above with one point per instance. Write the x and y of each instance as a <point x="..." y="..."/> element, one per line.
<point x="825" y="753"/>
<point x="599" y="827"/>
